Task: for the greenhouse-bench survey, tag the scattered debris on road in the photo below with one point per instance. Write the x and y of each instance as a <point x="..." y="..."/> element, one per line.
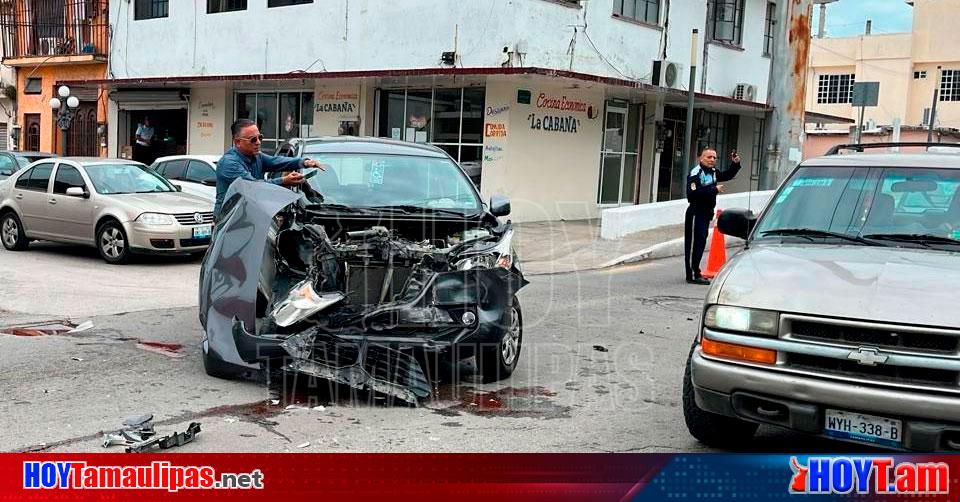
<point x="168" y="349"/>
<point x="600" y="348"/>
<point x="78" y="359"/>
<point x="84" y="326"/>
<point x="39" y="329"/>
<point x="138" y="435"/>
<point x="303" y="445"/>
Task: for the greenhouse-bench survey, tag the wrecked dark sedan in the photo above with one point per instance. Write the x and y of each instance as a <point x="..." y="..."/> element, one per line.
<point x="380" y="262"/>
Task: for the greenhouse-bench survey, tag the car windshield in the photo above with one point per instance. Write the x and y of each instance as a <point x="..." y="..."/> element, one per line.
<point x="899" y="206"/>
<point x="126" y="178"/>
<point x="26" y="160"/>
<point x="376" y="180"/>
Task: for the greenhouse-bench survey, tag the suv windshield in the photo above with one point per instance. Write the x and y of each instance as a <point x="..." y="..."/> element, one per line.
<point x="376" y="180"/>
<point x="901" y="206"/>
<point x="126" y="178"/>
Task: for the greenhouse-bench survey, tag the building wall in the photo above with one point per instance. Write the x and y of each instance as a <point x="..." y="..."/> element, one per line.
<point x="892" y="59"/>
<point x="208" y="120"/>
<point x="39" y="103"/>
<point x="548" y="175"/>
<point x="818" y="144"/>
<point x="350" y="35"/>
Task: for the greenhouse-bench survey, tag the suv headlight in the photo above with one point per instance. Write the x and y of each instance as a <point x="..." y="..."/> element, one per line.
<point x="156" y="219"/>
<point x="500" y="256"/>
<point x="744" y="320"/>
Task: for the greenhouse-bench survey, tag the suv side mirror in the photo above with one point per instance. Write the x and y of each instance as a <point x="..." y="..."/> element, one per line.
<point x="737" y="222"/>
<point x="499" y="205"/>
<point x="78" y="192"/>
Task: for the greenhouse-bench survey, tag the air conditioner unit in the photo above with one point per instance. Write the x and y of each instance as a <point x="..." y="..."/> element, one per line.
<point x="667" y="74"/>
<point x="745" y="92"/>
<point x="48" y="46"/>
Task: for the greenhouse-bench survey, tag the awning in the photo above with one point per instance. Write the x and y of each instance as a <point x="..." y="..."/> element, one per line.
<point x="147" y="99"/>
<point x="823" y="118"/>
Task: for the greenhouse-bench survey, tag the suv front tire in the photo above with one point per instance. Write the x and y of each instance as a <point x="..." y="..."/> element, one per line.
<point x="709" y="428"/>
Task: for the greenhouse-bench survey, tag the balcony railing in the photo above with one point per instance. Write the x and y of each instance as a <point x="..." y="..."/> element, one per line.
<point x="43" y="28"/>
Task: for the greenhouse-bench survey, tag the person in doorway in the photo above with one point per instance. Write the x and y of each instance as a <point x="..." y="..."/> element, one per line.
<point x="245" y="161"/>
<point x="702" y="189"/>
<point x="144" y="141"/>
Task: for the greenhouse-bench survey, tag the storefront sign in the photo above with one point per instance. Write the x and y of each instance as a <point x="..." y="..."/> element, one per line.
<point x="561" y="103"/>
<point x="553" y="123"/>
<point x="495" y="130"/>
<point x="338" y="104"/>
<point x="493" y="111"/>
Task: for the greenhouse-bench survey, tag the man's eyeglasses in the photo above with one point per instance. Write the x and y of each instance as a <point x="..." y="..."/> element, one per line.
<point x="254" y="139"/>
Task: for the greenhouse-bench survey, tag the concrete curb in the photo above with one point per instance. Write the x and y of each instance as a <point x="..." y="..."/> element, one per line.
<point x="667" y="249"/>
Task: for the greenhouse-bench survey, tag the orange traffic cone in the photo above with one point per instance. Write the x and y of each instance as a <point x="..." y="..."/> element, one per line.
<point x="718" y="252"/>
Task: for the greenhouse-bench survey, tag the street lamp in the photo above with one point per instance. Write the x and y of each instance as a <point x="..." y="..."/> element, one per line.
<point x="64" y="105"/>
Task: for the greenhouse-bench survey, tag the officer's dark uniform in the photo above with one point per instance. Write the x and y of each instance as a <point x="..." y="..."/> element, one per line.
<point x="702" y="196"/>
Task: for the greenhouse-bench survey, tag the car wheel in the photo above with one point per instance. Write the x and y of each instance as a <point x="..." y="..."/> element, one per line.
<point x="709" y="428"/>
<point x="218" y="368"/>
<point x="11" y="232"/>
<point x="498" y="362"/>
<point x="113" y="244"/>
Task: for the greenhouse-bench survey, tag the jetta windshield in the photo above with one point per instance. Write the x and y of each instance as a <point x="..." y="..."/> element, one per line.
<point x="393" y="181"/>
<point x="896" y="206"/>
<point x="126" y="178"/>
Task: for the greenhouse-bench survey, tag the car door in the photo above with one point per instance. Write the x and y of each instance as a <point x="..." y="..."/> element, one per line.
<point x="71" y="216"/>
<point x="32" y="197"/>
<point x="8" y="166"/>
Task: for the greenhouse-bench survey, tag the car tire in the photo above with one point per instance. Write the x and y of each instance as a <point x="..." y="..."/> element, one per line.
<point x="712" y="429"/>
<point x="218" y="368"/>
<point x="11" y="232"/>
<point x="112" y="243"/>
<point x="498" y="362"/>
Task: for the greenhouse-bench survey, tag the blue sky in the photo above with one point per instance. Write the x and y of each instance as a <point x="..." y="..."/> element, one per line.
<point x="847" y="17"/>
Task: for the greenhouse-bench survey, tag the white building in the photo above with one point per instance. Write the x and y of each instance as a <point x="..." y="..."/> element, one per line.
<point x="570" y="106"/>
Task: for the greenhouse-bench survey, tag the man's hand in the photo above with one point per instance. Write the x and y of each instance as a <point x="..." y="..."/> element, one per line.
<point x="735" y="157"/>
<point x="314" y="163"/>
<point x="292" y="179"/>
<point x="721" y="188"/>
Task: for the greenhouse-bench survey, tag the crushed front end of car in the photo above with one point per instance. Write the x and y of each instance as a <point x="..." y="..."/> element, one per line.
<point x="350" y="295"/>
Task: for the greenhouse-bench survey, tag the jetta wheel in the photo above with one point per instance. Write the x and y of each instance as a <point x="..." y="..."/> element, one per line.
<point x="112" y="243"/>
<point x="498" y="363"/>
<point x="11" y="233"/>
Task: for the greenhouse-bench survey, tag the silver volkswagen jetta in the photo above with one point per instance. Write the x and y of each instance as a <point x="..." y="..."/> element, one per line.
<point x="119" y="206"/>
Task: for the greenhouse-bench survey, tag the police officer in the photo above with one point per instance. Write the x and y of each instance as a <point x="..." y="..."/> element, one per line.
<point x="702" y="190"/>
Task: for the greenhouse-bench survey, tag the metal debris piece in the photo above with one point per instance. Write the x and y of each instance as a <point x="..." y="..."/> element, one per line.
<point x="78" y="359"/>
<point x="361" y="365"/>
<point x="600" y="348"/>
<point x="166" y="442"/>
<point x="304" y="445"/>
<point x="82" y="327"/>
<point x="138" y="435"/>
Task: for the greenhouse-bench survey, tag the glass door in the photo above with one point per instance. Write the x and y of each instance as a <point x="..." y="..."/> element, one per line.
<point x="618" y="165"/>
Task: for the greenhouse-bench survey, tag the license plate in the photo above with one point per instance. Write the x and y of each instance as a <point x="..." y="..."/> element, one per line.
<point x="863" y="428"/>
<point x="202" y="232"/>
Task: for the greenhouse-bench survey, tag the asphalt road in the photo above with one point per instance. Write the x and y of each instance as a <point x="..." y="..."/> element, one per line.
<point x="600" y="370"/>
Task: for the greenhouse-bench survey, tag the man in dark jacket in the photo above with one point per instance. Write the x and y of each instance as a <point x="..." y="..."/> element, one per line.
<point x="245" y="161"/>
<point x="702" y="190"/>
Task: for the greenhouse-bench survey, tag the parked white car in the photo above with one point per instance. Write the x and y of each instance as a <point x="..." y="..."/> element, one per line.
<point x="195" y="174"/>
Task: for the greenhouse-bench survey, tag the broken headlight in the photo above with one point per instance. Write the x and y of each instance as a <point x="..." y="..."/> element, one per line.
<point x="302" y="302"/>
<point x="500" y="255"/>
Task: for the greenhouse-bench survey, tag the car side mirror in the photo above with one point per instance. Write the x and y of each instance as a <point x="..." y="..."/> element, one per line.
<point x="78" y="192"/>
<point x="177" y="187"/>
<point x="210" y="182"/>
<point x="737" y="222"/>
<point x="499" y="205"/>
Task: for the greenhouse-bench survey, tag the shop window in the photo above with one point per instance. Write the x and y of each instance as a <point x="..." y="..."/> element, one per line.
<point x="150" y="9"/>
<point x="284" y="3"/>
<point x="214" y="6"/>
<point x="720" y="132"/>
<point x="450" y="118"/>
<point x="769" y="29"/>
<point x="280" y="116"/>
<point x="950" y="85"/>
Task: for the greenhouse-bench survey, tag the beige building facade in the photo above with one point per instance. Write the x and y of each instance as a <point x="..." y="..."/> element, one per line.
<point x="905" y="65"/>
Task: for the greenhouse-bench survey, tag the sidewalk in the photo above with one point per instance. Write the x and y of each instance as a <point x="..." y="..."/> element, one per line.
<point x="554" y="247"/>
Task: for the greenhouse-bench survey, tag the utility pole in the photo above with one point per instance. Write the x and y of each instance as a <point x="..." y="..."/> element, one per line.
<point x="688" y="136"/>
<point x="933" y="107"/>
<point x="788" y="91"/>
<point x="822" y="31"/>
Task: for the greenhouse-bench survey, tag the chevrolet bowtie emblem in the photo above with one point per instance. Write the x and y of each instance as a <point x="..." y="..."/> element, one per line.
<point x="867" y="356"/>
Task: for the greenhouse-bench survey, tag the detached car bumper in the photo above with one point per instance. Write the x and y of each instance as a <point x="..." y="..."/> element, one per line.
<point x="799" y="403"/>
<point x="159" y="239"/>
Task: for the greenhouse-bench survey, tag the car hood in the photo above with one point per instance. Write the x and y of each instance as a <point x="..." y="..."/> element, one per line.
<point x="163" y="202"/>
<point x="895" y="285"/>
